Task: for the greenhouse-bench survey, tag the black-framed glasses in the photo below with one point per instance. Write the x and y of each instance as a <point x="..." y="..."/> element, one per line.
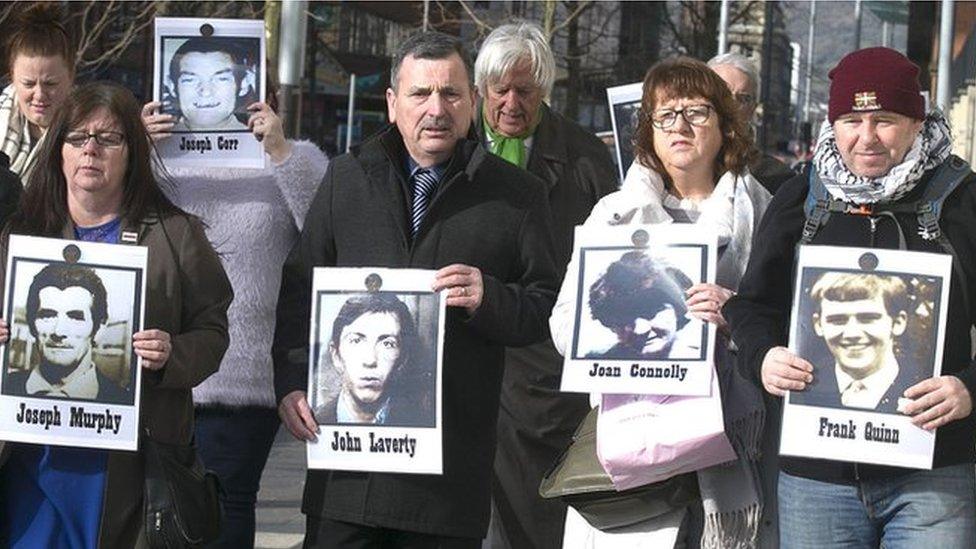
<point x="696" y="115"/>
<point x="744" y="98"/>
<point x="103" y="139"/>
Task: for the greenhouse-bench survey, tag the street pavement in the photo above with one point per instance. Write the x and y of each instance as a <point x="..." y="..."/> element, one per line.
<point x="280" y="523"/>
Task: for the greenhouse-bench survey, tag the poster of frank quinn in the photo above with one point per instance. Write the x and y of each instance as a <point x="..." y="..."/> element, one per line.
<point x="632" y="332"/>
<point x="872" y="323"/>
<point x="206" y="73"/>
<point x="69" y="374"/>
<point x="375" y="370"/>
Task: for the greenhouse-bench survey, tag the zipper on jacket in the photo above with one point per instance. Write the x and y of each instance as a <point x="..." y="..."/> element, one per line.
<point x="874" y="228"/>
<point x="857" y="474"/>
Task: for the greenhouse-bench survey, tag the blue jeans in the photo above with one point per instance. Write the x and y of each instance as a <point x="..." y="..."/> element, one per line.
<point x="235" y="443"/>
<point x="933" y="509"/>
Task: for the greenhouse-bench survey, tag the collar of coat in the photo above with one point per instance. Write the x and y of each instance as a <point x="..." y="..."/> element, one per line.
<point x="550" y="152"/>
<point x="387" y="150"/>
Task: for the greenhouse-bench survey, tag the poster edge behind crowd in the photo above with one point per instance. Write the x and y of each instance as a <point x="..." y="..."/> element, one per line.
<point x="105" y="256"/>
<point x="250" y="153"/>
<point x="696" y="379"/>
<point x="616" y="95"/>
<point x="428" y="449"/>
<point x="915" y="446"/>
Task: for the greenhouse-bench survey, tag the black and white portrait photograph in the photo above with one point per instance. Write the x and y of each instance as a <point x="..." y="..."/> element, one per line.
<point x="208" y="82"/>
<point x="870" y="336"/>
<point x="632" y="323"/>
<point x="207" y="72"/>
<point x="625" y="102"/>
<point x="870" y="322"/>
<point x="375" y="375"/>
<point x="72" y="314"/>
<point x="374" y="365"/>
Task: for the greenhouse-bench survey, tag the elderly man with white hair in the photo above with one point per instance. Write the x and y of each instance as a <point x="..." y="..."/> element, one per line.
<point x="739" y="73"/>
<point x="514" y="73"/>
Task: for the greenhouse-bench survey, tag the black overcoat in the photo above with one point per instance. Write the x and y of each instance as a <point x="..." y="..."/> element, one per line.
<point x="535" y="421"/>
<point x="485" y="213"/>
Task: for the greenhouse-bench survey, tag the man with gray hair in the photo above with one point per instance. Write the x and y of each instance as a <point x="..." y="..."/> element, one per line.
<point x="739" y="73"/>
<point x="514" y="72"/>
<point x="421" y="195"/>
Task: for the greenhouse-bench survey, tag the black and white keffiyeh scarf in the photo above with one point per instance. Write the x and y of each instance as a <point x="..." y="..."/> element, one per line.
<point x="930" y="149"/>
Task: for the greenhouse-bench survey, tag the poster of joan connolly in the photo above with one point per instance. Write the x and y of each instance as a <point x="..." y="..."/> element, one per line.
<point x="70" y="376"/>
<point x="632" y="330"/>
<point x="375" y="370"/>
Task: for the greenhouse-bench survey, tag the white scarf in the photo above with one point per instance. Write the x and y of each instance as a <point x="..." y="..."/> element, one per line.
<point x="16" y="137"/>
<point x="732" y="211"/>
<point x="930" y="149"/>
<point x="731" y="492"/>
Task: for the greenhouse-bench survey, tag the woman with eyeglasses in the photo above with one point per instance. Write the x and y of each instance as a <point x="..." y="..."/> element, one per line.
<point x="93" y="181"/>
<point x="692" y="153"/>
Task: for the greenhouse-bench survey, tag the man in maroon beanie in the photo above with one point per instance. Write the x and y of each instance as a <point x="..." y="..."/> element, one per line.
<point x="879" y="155"/>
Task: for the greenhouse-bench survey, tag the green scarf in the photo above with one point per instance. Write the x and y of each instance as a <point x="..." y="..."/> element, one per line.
<point x="511" y="149"/>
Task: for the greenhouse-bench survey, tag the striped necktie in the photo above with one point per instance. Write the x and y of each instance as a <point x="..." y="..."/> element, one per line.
<point x="424" y="184"/>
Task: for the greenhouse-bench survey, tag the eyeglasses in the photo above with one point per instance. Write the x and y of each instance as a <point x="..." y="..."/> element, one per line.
<point x="744" y="98"/>
<point x="696" y="115"/>
<point x="103" y="139"/>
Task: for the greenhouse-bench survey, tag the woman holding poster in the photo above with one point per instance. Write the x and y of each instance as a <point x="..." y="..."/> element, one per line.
<point x="692" y="152"/>
<point x="253" y="216"/>
<point x="94" y="181"/>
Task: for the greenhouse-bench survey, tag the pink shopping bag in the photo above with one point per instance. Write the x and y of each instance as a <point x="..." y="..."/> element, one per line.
<point x="642" y="439"/>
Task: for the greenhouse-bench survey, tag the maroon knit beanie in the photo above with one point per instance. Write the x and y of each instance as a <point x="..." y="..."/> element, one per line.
<point x="875" y="79"/>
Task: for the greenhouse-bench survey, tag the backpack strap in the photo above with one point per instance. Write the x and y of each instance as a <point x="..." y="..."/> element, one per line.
<point x="819" y="205"/>
<point x="949" y="176"/>
<point x="816" y="207"/>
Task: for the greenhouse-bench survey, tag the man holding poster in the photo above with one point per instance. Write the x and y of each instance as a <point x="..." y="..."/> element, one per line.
<point x="422" y="195"/>
<point x="883" y="167"/>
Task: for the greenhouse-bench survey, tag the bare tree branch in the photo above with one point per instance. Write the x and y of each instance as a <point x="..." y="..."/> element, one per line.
<point x="580" y="8"/>
<point x="477" y="21"/>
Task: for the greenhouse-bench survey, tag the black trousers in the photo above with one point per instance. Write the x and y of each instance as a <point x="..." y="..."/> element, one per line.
<point x="323" y="533"/>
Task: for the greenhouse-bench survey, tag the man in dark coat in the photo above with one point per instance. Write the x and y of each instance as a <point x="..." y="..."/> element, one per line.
<point x="877" y="155"/>
<point x="420" y="195"/>
<point x="514" y="72"/>
<point x="739" y="73"/>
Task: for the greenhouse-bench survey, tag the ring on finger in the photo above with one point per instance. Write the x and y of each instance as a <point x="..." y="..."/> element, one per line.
<point x="464" y="291"/>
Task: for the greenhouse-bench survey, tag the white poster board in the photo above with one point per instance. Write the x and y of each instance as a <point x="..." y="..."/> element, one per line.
<point x="70" y="374"/>
<point x="375" y="356"/>
<point x="872" y="323"/>
<point x="631" y="331"/>
<point x="206" y="73"/>
<point x="625" y="104"/>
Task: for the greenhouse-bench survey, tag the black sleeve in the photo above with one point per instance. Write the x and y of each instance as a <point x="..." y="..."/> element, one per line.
<point x="315" y="248"/>
<point x="759" y="314"/>
<point x="959" y="223"/>
<point x="516" y="312"/>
